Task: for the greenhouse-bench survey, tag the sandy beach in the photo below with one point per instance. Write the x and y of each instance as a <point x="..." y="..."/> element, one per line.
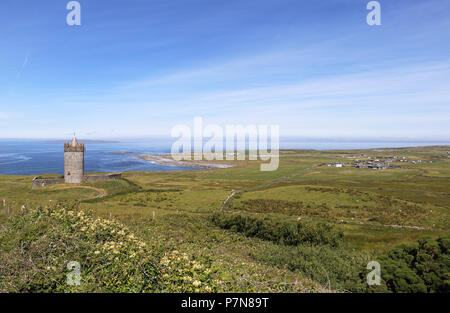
<point x="169" y="161"/>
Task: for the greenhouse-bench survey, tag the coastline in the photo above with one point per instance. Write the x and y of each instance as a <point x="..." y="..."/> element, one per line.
<point x="168" y="161"/>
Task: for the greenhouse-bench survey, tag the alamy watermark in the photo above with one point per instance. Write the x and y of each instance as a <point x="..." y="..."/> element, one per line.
<point x="234" y="142"/>
<point x="74" y="277"/>
<point x="74" y="16"/>
<point x="374" y="16"/>
<point x="374" y="277"/>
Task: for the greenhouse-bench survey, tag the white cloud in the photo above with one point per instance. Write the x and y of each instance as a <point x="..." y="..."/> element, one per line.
<point x="406" y="100"/>
<point x="406" y="87"/>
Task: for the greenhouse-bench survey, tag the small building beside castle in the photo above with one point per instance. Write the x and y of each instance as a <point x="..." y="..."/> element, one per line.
<point x="74" y="168"/>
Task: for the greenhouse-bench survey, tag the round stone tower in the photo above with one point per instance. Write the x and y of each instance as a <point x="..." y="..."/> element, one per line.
<point x="73" y="162"/>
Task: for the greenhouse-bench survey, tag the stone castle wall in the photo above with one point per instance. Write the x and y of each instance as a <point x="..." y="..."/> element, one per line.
<point x="73" y="166"/>
<point x="42" y="182"/>
<point x="101" y="177"/>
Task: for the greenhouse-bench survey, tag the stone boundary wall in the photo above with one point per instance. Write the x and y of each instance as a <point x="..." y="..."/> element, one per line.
<point x="42" y="182"/>
<point x="101" y="177"/>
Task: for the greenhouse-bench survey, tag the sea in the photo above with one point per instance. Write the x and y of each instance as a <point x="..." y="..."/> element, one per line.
<point x="37" y="157"/>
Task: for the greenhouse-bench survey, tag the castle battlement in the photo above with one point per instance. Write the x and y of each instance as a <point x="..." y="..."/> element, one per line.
<point x="78" y="148"/>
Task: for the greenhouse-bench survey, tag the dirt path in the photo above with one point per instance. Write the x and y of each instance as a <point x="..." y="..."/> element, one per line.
<point x="101" y="192"/>
<point x="273" y="182"/>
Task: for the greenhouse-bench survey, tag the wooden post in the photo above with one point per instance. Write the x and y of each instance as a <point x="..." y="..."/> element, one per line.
<point x="8" y="209"/>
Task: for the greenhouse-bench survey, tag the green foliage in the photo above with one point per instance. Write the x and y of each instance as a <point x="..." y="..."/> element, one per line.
<point x="285" y="232"/>
<point x="332" y="204"/>
<point x="420" y="268"/>
<point x="37" y="246"/>
<point x="196" y="234"/>
<point x="35" y="249"/>
<point x="335" y="269"/>
<point x="113" y="188"/>
<point x="424" y="267"/>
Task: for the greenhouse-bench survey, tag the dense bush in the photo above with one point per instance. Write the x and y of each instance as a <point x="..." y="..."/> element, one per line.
<point x="36" y="247"/>
<point x="424" y="267"/>
<point x="420" y="268"/>
<point x="285" y="232"/>
<point x="335" y="269"/>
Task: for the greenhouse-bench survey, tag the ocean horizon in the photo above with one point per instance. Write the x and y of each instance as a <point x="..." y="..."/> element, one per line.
<point x="46" y="156"/>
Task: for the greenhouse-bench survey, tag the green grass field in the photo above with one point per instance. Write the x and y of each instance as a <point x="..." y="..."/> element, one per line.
<point x="375" y="209"/>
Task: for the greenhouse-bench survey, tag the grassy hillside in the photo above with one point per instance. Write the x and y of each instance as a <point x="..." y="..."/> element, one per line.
<point x="375" y="210"/>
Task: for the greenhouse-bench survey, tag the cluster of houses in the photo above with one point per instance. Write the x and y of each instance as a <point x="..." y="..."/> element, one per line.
<point x="403" y="159"/>
<point x="365" y="161"/>
<point x="368" y="163"/>
<point x="373" y="164"/>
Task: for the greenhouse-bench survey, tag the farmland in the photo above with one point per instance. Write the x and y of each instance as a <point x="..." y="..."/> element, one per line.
<point x="374" y="210"/>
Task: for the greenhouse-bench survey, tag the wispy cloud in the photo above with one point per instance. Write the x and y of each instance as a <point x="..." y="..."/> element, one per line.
<point x="24" y="65"/>
<point x="407" y="86"/>
<point x="403" y="100"/>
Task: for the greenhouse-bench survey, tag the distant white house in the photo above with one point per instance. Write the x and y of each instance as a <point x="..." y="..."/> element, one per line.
<point x="335" y="164"/>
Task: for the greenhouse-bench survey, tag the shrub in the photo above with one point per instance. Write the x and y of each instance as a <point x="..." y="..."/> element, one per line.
<point x="36" y="247"/>
<point x="336" y="269"/>
<point x="284" y="232"/>
<point x="424" y="267"/>
<point x="420" y="268"/>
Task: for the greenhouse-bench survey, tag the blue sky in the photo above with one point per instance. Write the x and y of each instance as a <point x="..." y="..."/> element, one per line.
<point x="137" y="68"/>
